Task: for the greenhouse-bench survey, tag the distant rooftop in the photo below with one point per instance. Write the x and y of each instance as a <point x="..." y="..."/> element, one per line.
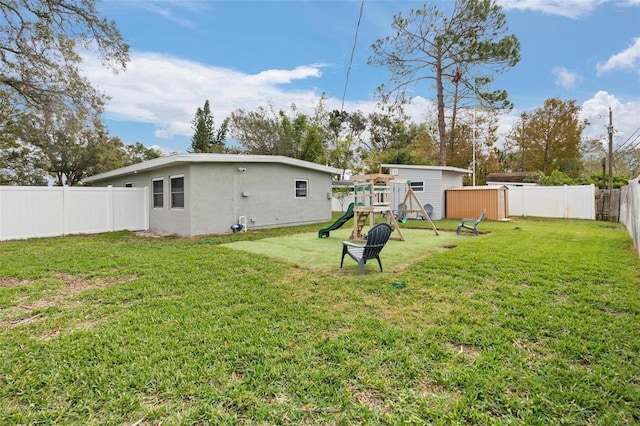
<point x="514" y="177"/>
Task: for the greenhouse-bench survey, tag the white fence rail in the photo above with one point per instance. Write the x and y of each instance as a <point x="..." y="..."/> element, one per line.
<point x="576" y="202"/>
<point x="630" y="210"/>
<point x="27" y="212"/>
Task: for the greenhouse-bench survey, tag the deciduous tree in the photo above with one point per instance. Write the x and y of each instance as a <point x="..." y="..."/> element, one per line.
<point x="270" y="132"/>
<point x="346" y="131"/>
<point x="68" y="146"/>
<point x="549" y="139"/>
<point x="137" y="153"/>
<point x="40" y="42"/>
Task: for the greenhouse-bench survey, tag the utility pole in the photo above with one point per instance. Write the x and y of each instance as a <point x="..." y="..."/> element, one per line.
<point x="522" y="143"/>
<point x="473" y="144"/>
<point x="610" y="132"/>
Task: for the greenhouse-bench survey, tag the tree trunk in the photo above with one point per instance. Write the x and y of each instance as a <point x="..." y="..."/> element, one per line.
<point x="442" y="133"/>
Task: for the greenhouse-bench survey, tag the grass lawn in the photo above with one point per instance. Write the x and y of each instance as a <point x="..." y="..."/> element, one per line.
<point x="534" y="322"/>
<point x="306" y="250"/>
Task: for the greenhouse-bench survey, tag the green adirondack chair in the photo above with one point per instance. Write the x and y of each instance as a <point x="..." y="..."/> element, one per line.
<point x="471" y="223"/>
<point x="377" y="237"/>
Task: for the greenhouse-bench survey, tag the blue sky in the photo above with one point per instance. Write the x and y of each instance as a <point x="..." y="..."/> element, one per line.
<point x="247" y="54"/>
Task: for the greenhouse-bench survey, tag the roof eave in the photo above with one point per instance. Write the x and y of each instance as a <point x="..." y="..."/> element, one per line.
<point x="160" y="162"/>
<point x="420" y="167"/>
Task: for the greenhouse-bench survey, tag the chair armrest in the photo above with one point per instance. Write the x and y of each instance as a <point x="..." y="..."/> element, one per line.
<point x="347" y="243"/>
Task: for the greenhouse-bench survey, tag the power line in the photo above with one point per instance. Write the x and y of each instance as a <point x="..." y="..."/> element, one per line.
<point x="635" y="143"/>
<point x="353" y="50"/>
<point x="629" y="139"/>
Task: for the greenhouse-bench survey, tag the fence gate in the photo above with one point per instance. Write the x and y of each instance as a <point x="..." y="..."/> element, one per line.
<point x="608" y="205"/>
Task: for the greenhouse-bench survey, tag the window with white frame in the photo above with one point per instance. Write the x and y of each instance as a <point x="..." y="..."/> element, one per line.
<point x="417" y="186"/>
<point x="177" y="192"/>
<point x="302" y="188"/>
<point x="158" y="193"/>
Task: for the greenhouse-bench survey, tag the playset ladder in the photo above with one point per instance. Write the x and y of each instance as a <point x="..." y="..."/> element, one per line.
<point x="364" y="218"/>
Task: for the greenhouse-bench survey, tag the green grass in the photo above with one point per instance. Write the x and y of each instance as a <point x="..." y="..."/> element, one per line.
<point x="306" y="250"/>
<point x="534" y="322"/>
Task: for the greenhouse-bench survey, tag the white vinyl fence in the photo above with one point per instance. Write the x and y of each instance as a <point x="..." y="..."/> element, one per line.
<point x="575" y="202"/>
<point x="27" y="212"/>
<point x="630" y="210"/>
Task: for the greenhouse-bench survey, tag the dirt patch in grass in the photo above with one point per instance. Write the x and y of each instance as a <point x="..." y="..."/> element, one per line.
<point x="369" y="399"/>
<point x="28" y="312"/>
<point x="74" y="284"/>
<point x="12" y="282"/>
<point x="150" y="233"/>
<point x="468" y="350"/>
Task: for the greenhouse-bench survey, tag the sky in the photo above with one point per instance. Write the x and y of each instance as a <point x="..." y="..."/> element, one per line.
<point x="277" y="53"/>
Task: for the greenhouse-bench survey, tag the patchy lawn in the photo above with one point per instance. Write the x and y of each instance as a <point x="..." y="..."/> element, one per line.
<point x="534" y="322"/>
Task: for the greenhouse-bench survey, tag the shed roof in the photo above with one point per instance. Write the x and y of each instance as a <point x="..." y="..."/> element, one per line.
<point x="477" y="188"/>
<point x="174" y="159"/>
<point x="420" y="167"/>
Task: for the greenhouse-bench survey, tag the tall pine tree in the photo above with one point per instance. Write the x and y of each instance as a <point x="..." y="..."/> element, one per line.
<point x="205" y="137"/>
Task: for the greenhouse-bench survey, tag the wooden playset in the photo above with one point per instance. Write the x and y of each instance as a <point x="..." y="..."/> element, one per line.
<point x="372" y="195"/>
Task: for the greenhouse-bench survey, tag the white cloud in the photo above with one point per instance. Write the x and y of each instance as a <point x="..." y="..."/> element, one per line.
<point x="628" y="58"/>
<point x="565" y="78"/>
<point x="568" y="8"/>
<point x="284" y="76"/>
<point x="596" y="111"/>
<point x="166" y="91"/>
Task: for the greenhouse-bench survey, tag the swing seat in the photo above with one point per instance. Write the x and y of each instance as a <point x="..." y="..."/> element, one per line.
<point x="403" y="218"/>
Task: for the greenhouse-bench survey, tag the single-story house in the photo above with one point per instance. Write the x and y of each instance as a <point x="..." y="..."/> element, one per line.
<point x="429" y="183"/>
<point x="198" y="194"/>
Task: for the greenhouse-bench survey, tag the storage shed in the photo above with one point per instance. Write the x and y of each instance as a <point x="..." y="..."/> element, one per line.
<point x="468" y="201"/>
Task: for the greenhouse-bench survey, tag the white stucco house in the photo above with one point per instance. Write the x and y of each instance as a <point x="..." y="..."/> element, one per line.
<point x="198" y="194"/>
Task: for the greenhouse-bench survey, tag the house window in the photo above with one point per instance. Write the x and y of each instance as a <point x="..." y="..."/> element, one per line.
<point x="158" y="193"/>
<point x="301" y="188"/>
<point x="128" y="185"/>
<point x="177" y="192"/>
<point x="417" y="186"/>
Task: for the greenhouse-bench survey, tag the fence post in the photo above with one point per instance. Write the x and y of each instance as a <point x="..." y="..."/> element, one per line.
<point x="110" y="208"/>
<point x="146" y="208"/>
<point x="65" y="209"/>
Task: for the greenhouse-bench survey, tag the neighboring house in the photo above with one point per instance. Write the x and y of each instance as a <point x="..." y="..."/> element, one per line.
<point x="429" y="183"/>
<point x="198" y="194"/>
<point x="513" y="178"/>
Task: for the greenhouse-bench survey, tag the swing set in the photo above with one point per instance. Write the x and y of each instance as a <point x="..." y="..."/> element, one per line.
<point x="372" y="194"/>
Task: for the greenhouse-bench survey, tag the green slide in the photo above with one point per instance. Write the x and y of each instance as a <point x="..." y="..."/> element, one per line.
<point x="324" y="232"/>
